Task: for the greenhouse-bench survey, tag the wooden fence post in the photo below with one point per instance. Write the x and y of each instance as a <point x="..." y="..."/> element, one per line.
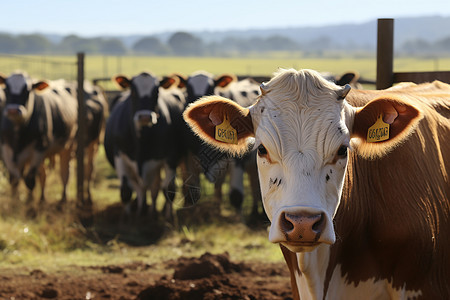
<point x="81" y="130"/>
<point x="385" y="53"/>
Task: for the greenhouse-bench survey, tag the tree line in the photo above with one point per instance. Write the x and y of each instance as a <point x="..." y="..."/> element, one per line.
<point x="186" y="44"/>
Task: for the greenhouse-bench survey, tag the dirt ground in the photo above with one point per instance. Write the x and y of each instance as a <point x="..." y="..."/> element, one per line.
<point x="206" y="277"/>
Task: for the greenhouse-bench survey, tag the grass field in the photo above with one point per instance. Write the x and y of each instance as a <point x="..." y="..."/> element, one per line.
<point x="107" y="66"/>
<point x="47" y="238"/>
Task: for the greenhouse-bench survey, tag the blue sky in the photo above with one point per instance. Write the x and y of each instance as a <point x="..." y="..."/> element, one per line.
<point x="113" y="17"/>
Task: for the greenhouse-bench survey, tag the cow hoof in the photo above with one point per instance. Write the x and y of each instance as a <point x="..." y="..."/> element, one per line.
<point x="236" y="199"/>
<point x="30" y="182"/>
<point x="61" y="204"/>
<point x="144" y="210"/>
<point x="31" y="213"/>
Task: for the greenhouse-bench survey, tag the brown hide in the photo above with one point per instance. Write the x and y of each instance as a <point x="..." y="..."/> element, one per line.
<point x="393" y="220"/>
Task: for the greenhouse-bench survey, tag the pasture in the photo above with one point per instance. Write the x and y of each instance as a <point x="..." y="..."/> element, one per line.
<point x="53" y="67"/>
<point x="56" y="253"/>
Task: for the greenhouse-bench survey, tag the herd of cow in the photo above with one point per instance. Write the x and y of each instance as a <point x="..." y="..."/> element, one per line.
<point x="143" y="132"/>
<point x="38" y="122"/>
<point x="356" y="217"/>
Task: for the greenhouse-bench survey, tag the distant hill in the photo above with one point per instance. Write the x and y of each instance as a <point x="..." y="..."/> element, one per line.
<point x="430" y="29"/>
<point x="417" y="36"/>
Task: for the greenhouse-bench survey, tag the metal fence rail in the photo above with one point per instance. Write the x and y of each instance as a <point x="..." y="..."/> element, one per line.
<point x="386" y="76"/>
<point x="40" y="67"/>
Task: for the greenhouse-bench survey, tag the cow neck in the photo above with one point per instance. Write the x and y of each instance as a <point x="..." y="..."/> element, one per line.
<point x="30" y="107"/>
<point x="313" y="267"/>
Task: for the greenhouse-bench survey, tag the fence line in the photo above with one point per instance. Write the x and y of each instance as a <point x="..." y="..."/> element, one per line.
<point x="42" y="67"/>
<point x="386" y="76"/>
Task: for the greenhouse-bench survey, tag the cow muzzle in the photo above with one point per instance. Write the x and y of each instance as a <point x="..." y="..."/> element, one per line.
<point x="301" y="229"/>
<point x="144" y="118"/>
<point x="15" y="113"/>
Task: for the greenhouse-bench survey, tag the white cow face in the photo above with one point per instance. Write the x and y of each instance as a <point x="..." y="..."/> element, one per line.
<point x="19" y="93"/>
<point x="302" y="127"/>
<point x="302" y="140"/>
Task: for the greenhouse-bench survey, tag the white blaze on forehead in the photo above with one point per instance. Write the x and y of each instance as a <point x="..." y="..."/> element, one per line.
<point x="200" y="84"/>
<point x="145" y="84"/>
<point x="299" y="112"/>
<point x="16" y="83"/>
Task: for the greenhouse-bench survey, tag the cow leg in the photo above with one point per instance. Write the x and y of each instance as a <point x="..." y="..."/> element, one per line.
<point x="256" y="190"/>
<point x="14" y="172"/>
<point x="191" y="181"/>
<point x="129" y="180"/>
<point x="14" y="182"/>
<point x="151" y="177"/>
<point x="154" y="191"/>
<point x="125" y="194"/>
<point x="169" y="189"/>
<point x="30" y="178"/>
<point x="218" y="191"/>
<point x="64" y="164"/>
<point x="237" y="184"/>
<point x="42" y="179"/>
<point x="91" y="150"/>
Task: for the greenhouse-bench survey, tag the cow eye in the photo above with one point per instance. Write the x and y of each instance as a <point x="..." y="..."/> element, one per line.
<point x="262" y="150"/>
<point x="342" y="151"/>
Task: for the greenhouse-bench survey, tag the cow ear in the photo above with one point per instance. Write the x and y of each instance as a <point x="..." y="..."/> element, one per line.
<point x="40" y="86"/>
<point x="204" y="115"/>
<point x="122" y="81"/>
<point x="348" y="78"/>
<point x="182" y="80"/>
<point x="2" y="79"/>
<point x="399" y="118"/>
<point x="169" y="81"/>
<point x="224" y="80"/>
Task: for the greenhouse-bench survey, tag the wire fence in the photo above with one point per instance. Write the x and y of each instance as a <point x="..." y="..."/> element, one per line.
<point x="40" y="67"/>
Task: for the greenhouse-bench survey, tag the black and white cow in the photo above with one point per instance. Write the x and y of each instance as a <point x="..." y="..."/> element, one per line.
<point x="39" y="121"/>
<point x="244" y="92"/>
<point x="200" y="157"/>
<point x="213" y="163"/>
<point x="142" y="136"/>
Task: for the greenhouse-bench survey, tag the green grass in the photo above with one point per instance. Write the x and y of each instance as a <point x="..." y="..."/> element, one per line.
<point x="49" y="238"/>
<point x="256" y="65"/>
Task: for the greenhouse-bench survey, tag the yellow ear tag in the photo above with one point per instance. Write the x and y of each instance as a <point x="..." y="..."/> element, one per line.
<point x="378" y="132"/>
<point x="225" y="132"/>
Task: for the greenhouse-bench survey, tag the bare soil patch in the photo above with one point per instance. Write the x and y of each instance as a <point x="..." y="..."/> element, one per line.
<point x="206" y="277"/>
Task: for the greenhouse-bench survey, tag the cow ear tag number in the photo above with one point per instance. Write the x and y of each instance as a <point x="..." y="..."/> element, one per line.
<point x="225" y="132"/>
<point x="378" y="132"/>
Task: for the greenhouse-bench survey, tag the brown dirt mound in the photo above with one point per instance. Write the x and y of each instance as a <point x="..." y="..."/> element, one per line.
<point x="216" y="277"/>
<point x="207" y="277"/>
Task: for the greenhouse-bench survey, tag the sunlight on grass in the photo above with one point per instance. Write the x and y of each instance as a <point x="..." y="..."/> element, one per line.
<point x="50" y="238"/>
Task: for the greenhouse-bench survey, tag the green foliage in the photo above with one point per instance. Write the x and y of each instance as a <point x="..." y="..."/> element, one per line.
<point x="150" y="45"/>
<point x="185" y="44"/>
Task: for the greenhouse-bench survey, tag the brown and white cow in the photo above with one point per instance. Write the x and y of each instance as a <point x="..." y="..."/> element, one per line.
<point x="369" y="223"/>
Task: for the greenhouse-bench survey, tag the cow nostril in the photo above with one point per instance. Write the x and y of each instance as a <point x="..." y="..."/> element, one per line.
<point x="286" y="225"/>
<point x="318" y="225"/>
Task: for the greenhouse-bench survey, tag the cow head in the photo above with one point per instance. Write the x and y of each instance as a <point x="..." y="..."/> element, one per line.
<point x="199" y="84"/>
<point x="18" y="89"/>
<point x="144" y="92"/>
<point x="302" y="128"/>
